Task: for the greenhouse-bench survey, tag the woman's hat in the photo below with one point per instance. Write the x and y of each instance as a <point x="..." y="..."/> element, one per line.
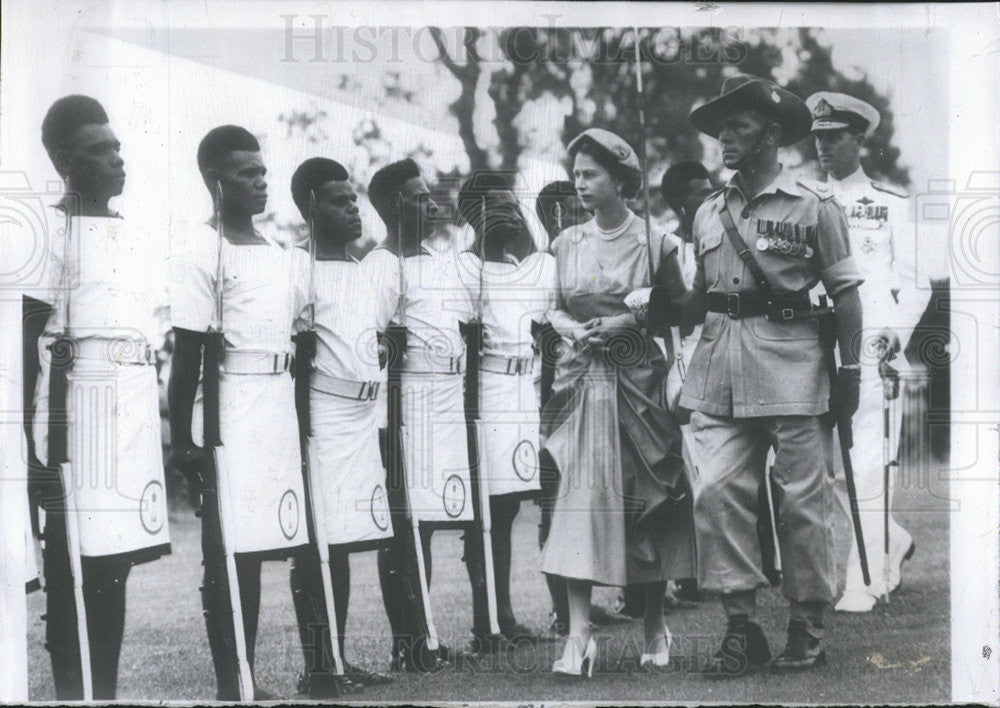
<point x="754" y="93"/>
<point x="610" y="143"/>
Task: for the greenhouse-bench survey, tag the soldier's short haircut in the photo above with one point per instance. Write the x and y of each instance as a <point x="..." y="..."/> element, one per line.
<point x="677" y="176"/>
<point x="223" y="140"/>
<point x="475" y="188"/>
<point x="383" y="190"/>
<point x="66" y="116"/>
<point x="551" y="193"/>
<point x="311" y="175"/>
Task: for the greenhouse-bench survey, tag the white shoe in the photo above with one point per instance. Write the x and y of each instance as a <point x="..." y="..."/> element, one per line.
<point x="576" y="664"/>
<point x="660" y="659"/>
<point x="855" y="601"/>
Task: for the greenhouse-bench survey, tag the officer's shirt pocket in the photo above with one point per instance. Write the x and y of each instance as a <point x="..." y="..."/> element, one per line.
<point x="709" y="253"/>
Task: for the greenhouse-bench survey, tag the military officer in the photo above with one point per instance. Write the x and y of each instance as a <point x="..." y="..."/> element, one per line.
<point x="757" y="379"/>
<point x="878" y="218"/>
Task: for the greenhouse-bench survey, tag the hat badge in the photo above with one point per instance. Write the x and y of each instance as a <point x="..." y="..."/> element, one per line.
<point x="622" y="152"/>
<point x="822" y="109"/>
<point x="775" y="97"/>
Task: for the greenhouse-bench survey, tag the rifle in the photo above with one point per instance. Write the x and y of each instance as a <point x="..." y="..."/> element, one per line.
<point x="312" y="477"/>
<point x="63" y="354"/>
<point x="477" y="453"/>
<point x="396" y="487"/>
<point x="676" y="341"/>
<point x="214" y="350"/>
<point x="886" y="470"/>
<point x="828" y="340"/>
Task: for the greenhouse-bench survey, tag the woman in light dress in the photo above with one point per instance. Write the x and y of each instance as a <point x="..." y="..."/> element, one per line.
<point x="617" y="519"/>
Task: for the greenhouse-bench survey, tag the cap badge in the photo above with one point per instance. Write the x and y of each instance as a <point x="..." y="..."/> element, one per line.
<point x="822" y="109"/>
<point x="622" y="152"/>
<point x="775" y="97"/>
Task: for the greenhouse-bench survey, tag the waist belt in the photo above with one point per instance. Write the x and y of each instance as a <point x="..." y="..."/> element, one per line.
<point x="125" y="352"/>
<point x="510" y="365"/>
<point x="345" y="388"/>
<point x="424" y="362"/>
<point x="255" y="362"/>
<point x="777" y="309"/>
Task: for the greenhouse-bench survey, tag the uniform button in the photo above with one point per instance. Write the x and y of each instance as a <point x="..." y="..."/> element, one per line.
<point x="736" y="281"/>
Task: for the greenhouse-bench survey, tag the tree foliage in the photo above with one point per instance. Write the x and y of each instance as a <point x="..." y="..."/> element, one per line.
<point x="593" y="69"/>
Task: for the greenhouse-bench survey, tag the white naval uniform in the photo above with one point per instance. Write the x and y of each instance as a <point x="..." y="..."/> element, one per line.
<point x="114" y="417"/>
<point x="350" y="312"/>
<point x="881" y="231"/>
<point x="434" y="428"/>
<point x="258" y="425"/>
<point x="512" y="296"/>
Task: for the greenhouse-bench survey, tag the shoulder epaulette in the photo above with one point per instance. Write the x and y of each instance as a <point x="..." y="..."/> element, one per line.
<point x="820" y="189"/>
<point x="890" y="189"/>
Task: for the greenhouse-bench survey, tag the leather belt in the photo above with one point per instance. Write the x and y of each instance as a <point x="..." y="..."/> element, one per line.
<point x="345" y="388"/>
<point x="510" y="365"/>
<point x="740" y="306"/>
<point x="124" y="352"/>
<point x="250" y="361"/>
<point x="422" y="361"/>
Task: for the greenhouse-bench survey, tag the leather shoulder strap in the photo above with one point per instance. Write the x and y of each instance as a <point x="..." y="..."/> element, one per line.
<point x="743" y="251"/>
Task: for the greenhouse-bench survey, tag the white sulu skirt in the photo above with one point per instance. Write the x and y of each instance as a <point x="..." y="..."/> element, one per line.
<point x="436" y="451"/>
<point x="507" y="434"/>
<point x="260" y="434"/>
<point x="115" y="452"/>
<point x="344" y="451"/>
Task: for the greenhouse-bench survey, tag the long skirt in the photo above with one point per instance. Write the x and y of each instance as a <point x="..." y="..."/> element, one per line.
<point x="620" y="516"/>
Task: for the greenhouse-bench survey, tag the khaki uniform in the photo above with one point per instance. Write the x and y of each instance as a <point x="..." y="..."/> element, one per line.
<point x="753" y="384"/>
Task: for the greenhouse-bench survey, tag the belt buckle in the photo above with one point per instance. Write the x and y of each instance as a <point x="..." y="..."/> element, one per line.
<point x="787" y="313"/>
<point x="516" y="364"/>
<point x="373" y="390"/>
<point x="364" y="393"/>
<point x="733" y="305"/>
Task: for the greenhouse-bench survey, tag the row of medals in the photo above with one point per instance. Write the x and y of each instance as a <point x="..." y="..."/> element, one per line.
<point x="785" y="247"/>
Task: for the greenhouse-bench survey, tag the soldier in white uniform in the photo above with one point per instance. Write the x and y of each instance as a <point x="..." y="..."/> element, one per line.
<point x="432" y="301"/>
<point x="881" y="228"/>
<point x="512" y="286"/>
<point x="102" y="303"/>
<point x="345" y="395"/>
<point x="260" y="298"/>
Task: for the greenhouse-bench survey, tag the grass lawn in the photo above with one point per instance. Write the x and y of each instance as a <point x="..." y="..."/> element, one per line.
<point x="897" y="653"/>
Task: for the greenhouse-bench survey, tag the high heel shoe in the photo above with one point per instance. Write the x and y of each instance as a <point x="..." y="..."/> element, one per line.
<point x="576" y="664"/>
<point x="660" y="659"/>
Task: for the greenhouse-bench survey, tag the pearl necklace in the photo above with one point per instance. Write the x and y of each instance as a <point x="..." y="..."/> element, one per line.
<point x="612" y="234"/>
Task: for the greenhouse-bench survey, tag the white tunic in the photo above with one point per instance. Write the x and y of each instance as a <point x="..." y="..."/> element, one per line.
<point x="512" y="296"/>
<point x="114" y="421"/>
<point x="881" y="229"/>
<point x="261" y="295"/>
<point x="433" y="303"/>
<point x="350" y="311"/>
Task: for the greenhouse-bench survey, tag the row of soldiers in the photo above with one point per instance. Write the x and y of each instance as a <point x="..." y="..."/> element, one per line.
<point x="413" y="404"/>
